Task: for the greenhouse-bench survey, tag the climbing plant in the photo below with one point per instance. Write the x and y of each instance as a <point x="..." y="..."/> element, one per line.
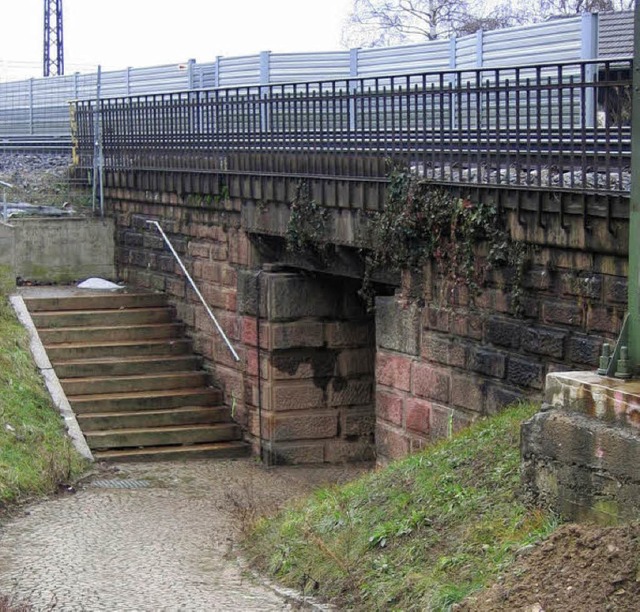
<point x="422" y="222"/>
<point x="306" y="230"/>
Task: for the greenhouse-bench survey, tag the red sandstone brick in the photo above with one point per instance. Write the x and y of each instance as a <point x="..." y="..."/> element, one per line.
<point x="604" y="319"/>
<point x="297" y="334"/>
<point x="389" y="407"/>
<point x="229" y="277"/>
<point x="219" y="251"/>
<point x="466" y="392"/>
<point x="211" y="271"/>
<point x="283" y="396"/>
<point x="283" y="453"/>
<point x="176" y="286"/>
<point x="357" y="422"/>
<point x="249" y="332"/>
<point x="309" y="426"/>
<point x="341" y="451"/>
<point x="393" y="371"/>
<point x="417" y="415"/>
<point x="199" y="249"/>
<point x="354" y="362"/>
<point x="391" y="443"/>
<point x="350" y="393"/>
<point x="344" y="334"/>
<point x="430" y="382"/>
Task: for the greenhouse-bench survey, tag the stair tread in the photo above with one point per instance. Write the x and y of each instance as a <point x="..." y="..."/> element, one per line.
<point x="110" y="327"/>
<point x="129" y="359"/>
<point x="159" y="450"/>
<point x="151" y="413"/>
<point x="70" y="313"/>
<point x="143" y="394"/>
<point x="153" y="342"/>
<point x="131" y="377"/>
<point x="161" y="428"/>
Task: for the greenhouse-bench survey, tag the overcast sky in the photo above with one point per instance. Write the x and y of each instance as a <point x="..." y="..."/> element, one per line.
<point x="121" y="33"/>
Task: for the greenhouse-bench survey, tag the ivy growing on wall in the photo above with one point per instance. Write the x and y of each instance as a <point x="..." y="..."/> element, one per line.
<point x="423" y="223"/>
<point x="306" y="229"/>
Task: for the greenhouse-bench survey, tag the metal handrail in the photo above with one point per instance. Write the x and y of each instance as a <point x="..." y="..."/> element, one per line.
<point x="195" y="288"/>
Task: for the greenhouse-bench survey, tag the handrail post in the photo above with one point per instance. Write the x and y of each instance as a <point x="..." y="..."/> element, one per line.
<point x="195" y="288"/>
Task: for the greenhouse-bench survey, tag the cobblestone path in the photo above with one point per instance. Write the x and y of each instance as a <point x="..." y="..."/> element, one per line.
<point x="166" y="546"/>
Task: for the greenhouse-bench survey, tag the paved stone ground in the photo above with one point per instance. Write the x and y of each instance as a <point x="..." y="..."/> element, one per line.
<point x="168" y="546"/>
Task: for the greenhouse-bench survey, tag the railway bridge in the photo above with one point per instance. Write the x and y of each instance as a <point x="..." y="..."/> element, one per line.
<point x="275" y="196"/>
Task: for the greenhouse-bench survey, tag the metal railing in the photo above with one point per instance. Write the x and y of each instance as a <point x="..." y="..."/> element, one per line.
<point x="195" y="288"/>
<point x="563" y="126"/>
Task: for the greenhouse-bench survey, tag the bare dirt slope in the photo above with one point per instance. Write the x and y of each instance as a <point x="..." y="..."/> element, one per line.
<point x="580" y="567"/>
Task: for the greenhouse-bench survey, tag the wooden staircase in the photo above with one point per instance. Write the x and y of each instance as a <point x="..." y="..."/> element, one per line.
<point x="130" y="375"/>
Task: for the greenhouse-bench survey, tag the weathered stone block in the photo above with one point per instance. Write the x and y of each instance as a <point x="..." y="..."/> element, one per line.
<point x="393" y="371"/>
<point x="467" y="392"/>
<point x="397" y="325"/>
<point x="344" y="334"/>
<point x="311" y="426"/>
<point x="390" y="443"/>
<point x="437" y="319"/>
<point x="297" y="334"/>
<point x="293" y="296"/>
<point x="584" y="349"/>
<point x="544" y="341"/>
<point x="498" y="398"/>
<point x="564" y="313"/>
<point x="524" y="372"/>
<point x="350" y="392"/>
<point x="355" y="362"/>
<point x="615" y="289"/>
<point x="389" y="407"/>
<point x="341" y="451"/>
<point x="418" y="415"/>
<point x="316" y="364"/>
<point x="503" y="332"/>
<point x="606" y="319"/>
<point x="285" y="396"/>
<point x="287" y="453"/>
<point x="430" y="382"/>
<point x="487" y="362"/>
<point x="358" y="422"/>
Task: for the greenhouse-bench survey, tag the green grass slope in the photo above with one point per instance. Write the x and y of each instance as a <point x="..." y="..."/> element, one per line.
<point x="418" y="535"/>
<point x="35" y="455"/>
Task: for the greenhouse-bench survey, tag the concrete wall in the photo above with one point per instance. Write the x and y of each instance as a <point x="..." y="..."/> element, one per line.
<point x="58" y="249"/>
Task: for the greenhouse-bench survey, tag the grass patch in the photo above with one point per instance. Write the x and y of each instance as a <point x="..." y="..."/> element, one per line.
<point x="35" y="455"/>
<point x="419" y="535"/>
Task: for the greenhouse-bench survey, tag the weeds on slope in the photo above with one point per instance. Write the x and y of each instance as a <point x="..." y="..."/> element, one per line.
<point x="35" y="456"/>
<point x="419" y="535"/>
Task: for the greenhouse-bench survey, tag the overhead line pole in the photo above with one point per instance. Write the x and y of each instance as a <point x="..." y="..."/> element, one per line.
<point x="53" y="63"/>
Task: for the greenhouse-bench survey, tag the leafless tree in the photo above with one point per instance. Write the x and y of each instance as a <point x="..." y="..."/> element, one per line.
<point x="375" y="23"/>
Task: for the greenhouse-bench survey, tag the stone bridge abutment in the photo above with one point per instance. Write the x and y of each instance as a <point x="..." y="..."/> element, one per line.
<point x="320" y="378"/>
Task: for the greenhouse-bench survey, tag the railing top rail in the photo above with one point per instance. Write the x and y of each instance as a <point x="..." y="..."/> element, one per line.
<point x="347" y="81"/>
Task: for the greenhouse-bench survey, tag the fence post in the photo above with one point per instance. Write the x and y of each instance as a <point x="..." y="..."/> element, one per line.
<point x="190" y="72"/>
<point x="453" y="49"/>
<point x="589" y="50"/>
<point x="265" y="79"/>
<point x="353" y="86"/>
<point x="216" y="71"/>
<point x="31" y="127"/>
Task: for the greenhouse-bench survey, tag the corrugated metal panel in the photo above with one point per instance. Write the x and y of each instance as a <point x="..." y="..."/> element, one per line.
<point x="292" y="67"/>
<point x="615" y="34"/>
<point x="403" y="60"/>
<point x="553" y="41"/>
<point x="238" y="71"/>
<point x="466" y="52"/>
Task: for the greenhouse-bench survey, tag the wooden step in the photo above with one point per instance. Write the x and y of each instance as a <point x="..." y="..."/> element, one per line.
<point x="145" y="400"/>
<point x="93" y="335"/>
<point x="105" y="317"/>
<point x="163" y="436"/>
<point x="186" y="415"/>
<point x="127" y="384"/>
<point x="91" y="302"/>
<point x="121" y="349"/>
<point x="219" y="450"/>
<point x="123" y="366"/>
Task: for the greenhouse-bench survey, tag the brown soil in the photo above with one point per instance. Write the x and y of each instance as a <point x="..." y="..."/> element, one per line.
<point x="579" y="568"/>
